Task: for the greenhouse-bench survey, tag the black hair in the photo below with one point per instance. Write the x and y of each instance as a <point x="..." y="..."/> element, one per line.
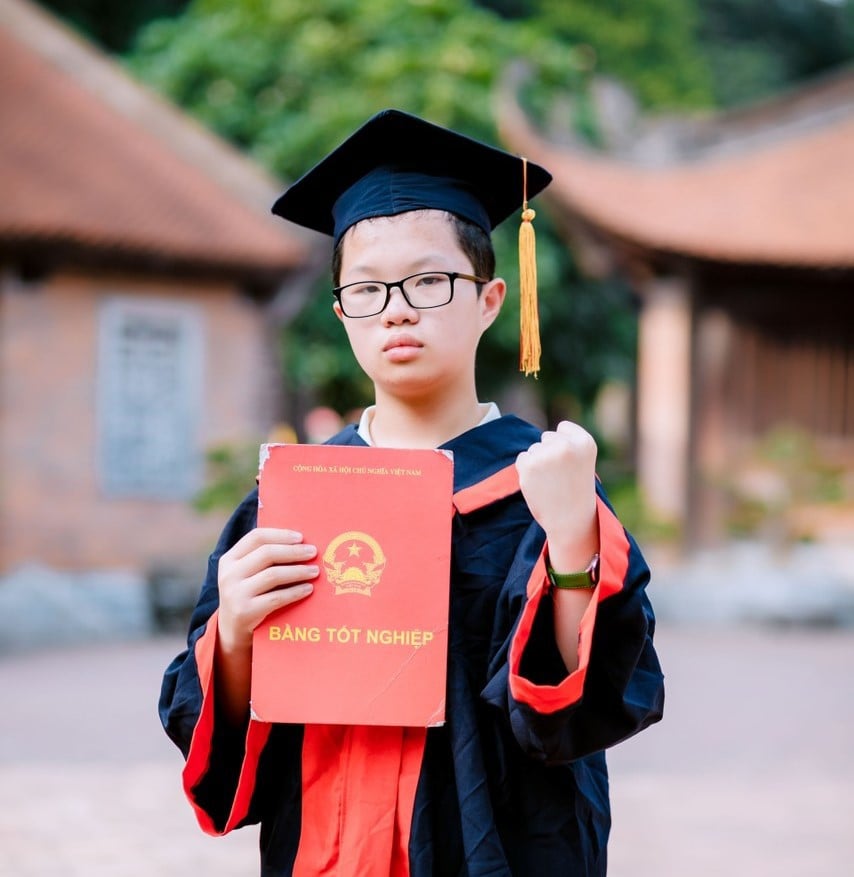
<point x="473" y="241"/>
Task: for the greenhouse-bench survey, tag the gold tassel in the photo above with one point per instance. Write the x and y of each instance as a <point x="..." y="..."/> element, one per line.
<point x="529" y="318"/>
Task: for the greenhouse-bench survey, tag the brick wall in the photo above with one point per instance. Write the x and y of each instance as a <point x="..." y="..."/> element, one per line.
<point x="53" y="508"/>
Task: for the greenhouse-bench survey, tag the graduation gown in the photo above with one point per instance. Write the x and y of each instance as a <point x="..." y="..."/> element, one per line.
<point x="515" y="782"/>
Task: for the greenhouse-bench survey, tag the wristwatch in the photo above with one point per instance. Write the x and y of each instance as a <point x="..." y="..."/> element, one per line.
<point x="569" y="581"/>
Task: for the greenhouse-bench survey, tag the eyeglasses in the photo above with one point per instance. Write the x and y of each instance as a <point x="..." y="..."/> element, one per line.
<point x="429" y="289"/>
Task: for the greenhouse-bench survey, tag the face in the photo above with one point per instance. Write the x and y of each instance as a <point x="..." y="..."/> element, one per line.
<point x="405" y="351"/>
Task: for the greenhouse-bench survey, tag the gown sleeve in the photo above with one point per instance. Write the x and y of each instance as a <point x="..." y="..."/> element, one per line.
<point x="617" y="688"/>
<point x="222" y="762"/>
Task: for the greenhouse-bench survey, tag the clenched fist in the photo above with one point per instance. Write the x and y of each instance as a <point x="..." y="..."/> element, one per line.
<point x="558" y="479"/>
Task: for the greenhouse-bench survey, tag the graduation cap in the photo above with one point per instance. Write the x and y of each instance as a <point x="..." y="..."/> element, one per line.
<point x="397" y="162"/>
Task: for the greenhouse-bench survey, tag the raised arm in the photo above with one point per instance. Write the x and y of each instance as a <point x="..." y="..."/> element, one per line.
<point x="558" y="480"/>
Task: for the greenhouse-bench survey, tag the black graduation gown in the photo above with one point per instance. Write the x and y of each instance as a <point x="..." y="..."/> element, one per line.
<point x="515" y="782"/>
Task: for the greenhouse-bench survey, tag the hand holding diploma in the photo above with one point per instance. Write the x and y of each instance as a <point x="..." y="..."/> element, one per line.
<point x="266" y="570"/>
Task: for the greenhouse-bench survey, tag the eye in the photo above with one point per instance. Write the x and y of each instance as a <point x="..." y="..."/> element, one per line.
<point x="431" y="279"/>
<point x="369" y="287"/>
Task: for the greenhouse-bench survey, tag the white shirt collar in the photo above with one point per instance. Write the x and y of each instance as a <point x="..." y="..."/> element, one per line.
<point x="364" y="428"/>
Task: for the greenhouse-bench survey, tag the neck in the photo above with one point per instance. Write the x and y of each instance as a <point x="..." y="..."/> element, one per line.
<point x="426" y="423"/>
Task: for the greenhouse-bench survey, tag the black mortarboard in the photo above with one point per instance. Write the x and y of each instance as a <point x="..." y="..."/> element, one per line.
<point x="397" y="162"/>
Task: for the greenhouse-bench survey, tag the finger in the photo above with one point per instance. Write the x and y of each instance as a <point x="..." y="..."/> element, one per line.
<point x="273" y="600"/>
<point x="268" y="555"/>
<point x="573" y="431"/>
<point x="259" y="536"/>
<point x="526" y="459"/>
<point x="271" y="554"/>
<point x="264" y="604"/>
<point x="280" y="577"/>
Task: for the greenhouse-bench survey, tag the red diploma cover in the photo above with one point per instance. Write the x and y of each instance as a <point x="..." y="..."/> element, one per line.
<point x="370" y="645"/>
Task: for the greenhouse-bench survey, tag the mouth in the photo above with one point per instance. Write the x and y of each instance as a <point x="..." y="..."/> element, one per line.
<point x="401" y="341"/>
<point x="402" y="348"/>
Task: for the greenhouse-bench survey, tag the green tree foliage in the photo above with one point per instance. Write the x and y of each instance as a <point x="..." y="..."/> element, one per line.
<point x="648" y="44"/>
<point x="683" y="53"/>
<point x="110" y="24"/>
<point x="757" y="47"/>
<point x="286" y="81"/>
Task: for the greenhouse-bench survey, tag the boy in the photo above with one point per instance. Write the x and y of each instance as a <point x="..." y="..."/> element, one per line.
<point x="550" y="653"/>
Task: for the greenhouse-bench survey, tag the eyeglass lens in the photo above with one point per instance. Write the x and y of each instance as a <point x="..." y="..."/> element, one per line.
<point x="425" y="290"/>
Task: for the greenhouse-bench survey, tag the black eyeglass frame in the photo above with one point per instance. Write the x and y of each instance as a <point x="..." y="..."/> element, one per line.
<point x="452" y="276"/>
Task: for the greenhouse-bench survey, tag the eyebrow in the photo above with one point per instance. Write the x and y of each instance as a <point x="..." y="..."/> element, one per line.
<point x="422" y="263"/>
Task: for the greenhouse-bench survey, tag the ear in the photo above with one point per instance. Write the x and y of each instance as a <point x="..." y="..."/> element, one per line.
<point x="491" y="299"/>
<point x="337" y="310"/>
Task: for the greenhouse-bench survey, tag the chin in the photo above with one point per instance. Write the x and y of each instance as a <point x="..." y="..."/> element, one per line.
<point x="408" y="380"/>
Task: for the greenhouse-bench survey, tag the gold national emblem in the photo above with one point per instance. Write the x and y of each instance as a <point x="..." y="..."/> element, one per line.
<point x="354" y="563"/>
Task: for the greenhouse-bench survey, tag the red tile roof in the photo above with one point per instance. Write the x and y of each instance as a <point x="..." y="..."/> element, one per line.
<point x="78" y="175"/>
<point x="790" y="203"/>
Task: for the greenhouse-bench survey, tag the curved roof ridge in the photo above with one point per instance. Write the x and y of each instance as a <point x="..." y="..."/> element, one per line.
<point x="93" y="161"/>
<point x="790" y="202"/>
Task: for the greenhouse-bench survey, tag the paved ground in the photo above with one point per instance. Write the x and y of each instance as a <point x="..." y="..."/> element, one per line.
<point x="751" y="773"/>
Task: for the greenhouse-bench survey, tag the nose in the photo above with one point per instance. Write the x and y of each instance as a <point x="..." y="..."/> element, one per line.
<point x="398" y="309"/>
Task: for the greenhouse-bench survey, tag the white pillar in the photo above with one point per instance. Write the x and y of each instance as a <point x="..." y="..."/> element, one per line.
<point x="664" y="396"/>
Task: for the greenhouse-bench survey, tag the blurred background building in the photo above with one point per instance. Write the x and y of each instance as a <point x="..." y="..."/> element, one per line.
<point x="735" y="231"/>
<point x="138" y="261"/>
